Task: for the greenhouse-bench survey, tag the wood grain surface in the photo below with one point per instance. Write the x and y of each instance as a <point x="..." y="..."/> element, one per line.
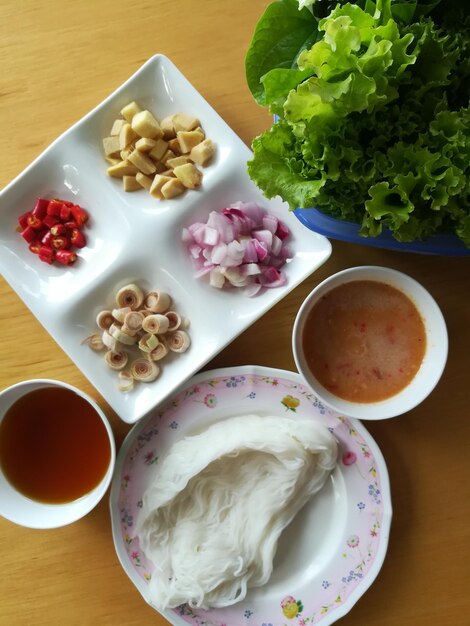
<point x="60" y="58"/>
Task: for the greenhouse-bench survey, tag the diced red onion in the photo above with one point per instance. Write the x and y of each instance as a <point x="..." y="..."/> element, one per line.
<point x="282" y="231"/>
<point x="242" y="245"/>
<point x="270" y="223"/>
<point x="264" y="236"/>
<point x="252" y="289"/>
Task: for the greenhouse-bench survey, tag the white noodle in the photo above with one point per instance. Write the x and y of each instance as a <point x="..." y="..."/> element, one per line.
<point x="218" y="502"/>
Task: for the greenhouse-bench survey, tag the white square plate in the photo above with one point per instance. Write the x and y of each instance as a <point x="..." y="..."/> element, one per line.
<point x="133" y="237"/>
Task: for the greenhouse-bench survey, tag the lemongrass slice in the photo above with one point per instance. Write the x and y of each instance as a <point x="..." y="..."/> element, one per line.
<point x="156" y="323"/>
<point x="179" y="341"/>
<point x="120" y="314"/>
<point x="157" y="301"/>
<point x="109" y="340"/>
<point x="160" y="351"/>
<point x="104" y="319"/>
<point x="144" y="370"/>
<point x="174" y="321"/>
<point x="120" y="335"/>
<point x="95" y="342"/>
<point x="116" y="359"/>
<point x="126" y="381"/>
<point x="131" y="296"/>
<point x="133" y="321"/>
<point x="148" y="342"/>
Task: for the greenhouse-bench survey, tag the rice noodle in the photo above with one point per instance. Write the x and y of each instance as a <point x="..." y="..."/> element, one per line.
<point x="219" y="500"/>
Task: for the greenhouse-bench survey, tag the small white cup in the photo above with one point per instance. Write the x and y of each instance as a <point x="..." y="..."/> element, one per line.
<point x="24" y="511"/>
<point x="433" y="362"/>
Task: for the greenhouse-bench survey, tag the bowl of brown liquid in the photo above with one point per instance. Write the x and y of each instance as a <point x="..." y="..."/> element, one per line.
<point x="371" y="342"/>
<point x="57" y="453"/>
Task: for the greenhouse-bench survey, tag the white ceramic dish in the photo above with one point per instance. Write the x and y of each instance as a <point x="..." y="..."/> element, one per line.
<point x="435" y="356"/>
<point x="134" y="237"/>
<point x="334" y="548"/>
<point x="19" y="509"/>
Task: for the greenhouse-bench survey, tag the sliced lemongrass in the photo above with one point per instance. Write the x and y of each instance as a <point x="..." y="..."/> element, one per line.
<point x="120" y="335"/>
<point x="184" y="323"/>
<point x="126" y="381"/>
<point x="131" y="296"/>
<point x="148" y="342"/>
<point x="109" y="340"/>
<point x="104" y="319"/>
<point x="120" y="314"/>
<point x="144" y="370"/>
<point x="179" y="341"/>
<point x="95" y="342"/>
<point x="116" y="359"/>
<point x="160" y="351"/>
<point x="157" y="301"/>
<point x="156" y="323"/>
<point x="133" y="321"/>
<point x="174" y="321"/>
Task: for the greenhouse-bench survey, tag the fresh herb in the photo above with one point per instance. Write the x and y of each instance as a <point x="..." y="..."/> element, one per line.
<point x="373" y="115"/>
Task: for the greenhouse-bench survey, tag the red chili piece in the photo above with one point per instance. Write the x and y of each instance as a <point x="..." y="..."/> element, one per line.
<point x="50" y="221"/>
<point x="28" y="234"/>
<point x="23" y="220"/>
<point x="65" y="213"/>
<point x="52" y="228"/>
<point x="60" y="243"/>
<point x="47" y="238"/>
<point x="58" y="229"/>
<point x="40" y="208"/>
<point x="79" y="214"/>
<point x="34" y="222"/>
<point x="46" y="254"/>
<point x="53" y="208"/>
<point x="66" y="257"/>
<point x="35" y="246"/>
<point x="77" y="238"/>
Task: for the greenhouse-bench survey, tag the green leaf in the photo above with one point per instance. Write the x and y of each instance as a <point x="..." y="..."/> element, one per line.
<point x="278" y="83"/>
<point x="280" y="35"/>
<point x="273" y="168"/>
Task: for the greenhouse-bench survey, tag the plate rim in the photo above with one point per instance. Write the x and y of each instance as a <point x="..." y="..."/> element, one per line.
<point x="387" y="508"/>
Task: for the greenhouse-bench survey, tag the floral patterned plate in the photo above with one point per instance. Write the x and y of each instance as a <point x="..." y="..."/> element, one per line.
<point x="330" y="553"/>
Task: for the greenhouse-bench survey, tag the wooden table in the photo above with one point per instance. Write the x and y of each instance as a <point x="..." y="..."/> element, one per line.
<point x="58" y="60"/>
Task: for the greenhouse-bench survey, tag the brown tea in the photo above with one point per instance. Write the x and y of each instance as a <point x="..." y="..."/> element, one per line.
<point x="54" y="447"/>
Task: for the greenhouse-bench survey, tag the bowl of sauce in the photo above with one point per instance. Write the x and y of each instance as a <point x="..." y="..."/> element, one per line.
<point x="371" y="342"/>
<point x="57" y="453"/>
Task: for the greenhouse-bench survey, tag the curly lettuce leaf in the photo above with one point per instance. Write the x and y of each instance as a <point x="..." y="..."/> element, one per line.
<point x="356" y="65"/>
<point x="279" y="165"/>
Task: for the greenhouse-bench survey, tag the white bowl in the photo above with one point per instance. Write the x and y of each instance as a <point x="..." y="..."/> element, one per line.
<point x="24" y="511"/>
<point x="431" y="367"/>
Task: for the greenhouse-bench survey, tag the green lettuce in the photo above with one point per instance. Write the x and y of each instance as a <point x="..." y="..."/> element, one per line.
<point x="280" y="35"/>
<point x="374" y="123"/>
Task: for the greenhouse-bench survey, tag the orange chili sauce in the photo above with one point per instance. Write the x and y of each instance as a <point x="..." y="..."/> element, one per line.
<point x="364" y="341"/>
<point x="54" y="447"/>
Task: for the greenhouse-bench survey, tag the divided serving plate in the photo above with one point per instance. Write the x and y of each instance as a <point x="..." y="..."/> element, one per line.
<point x="334" y="548"/>
<point x="133" y="237"/>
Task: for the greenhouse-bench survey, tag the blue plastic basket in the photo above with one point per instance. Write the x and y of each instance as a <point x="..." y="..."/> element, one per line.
<point x="444" y="245"/>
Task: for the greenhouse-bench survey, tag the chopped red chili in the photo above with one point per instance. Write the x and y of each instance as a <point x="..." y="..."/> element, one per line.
<point x="52" y="227"/>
